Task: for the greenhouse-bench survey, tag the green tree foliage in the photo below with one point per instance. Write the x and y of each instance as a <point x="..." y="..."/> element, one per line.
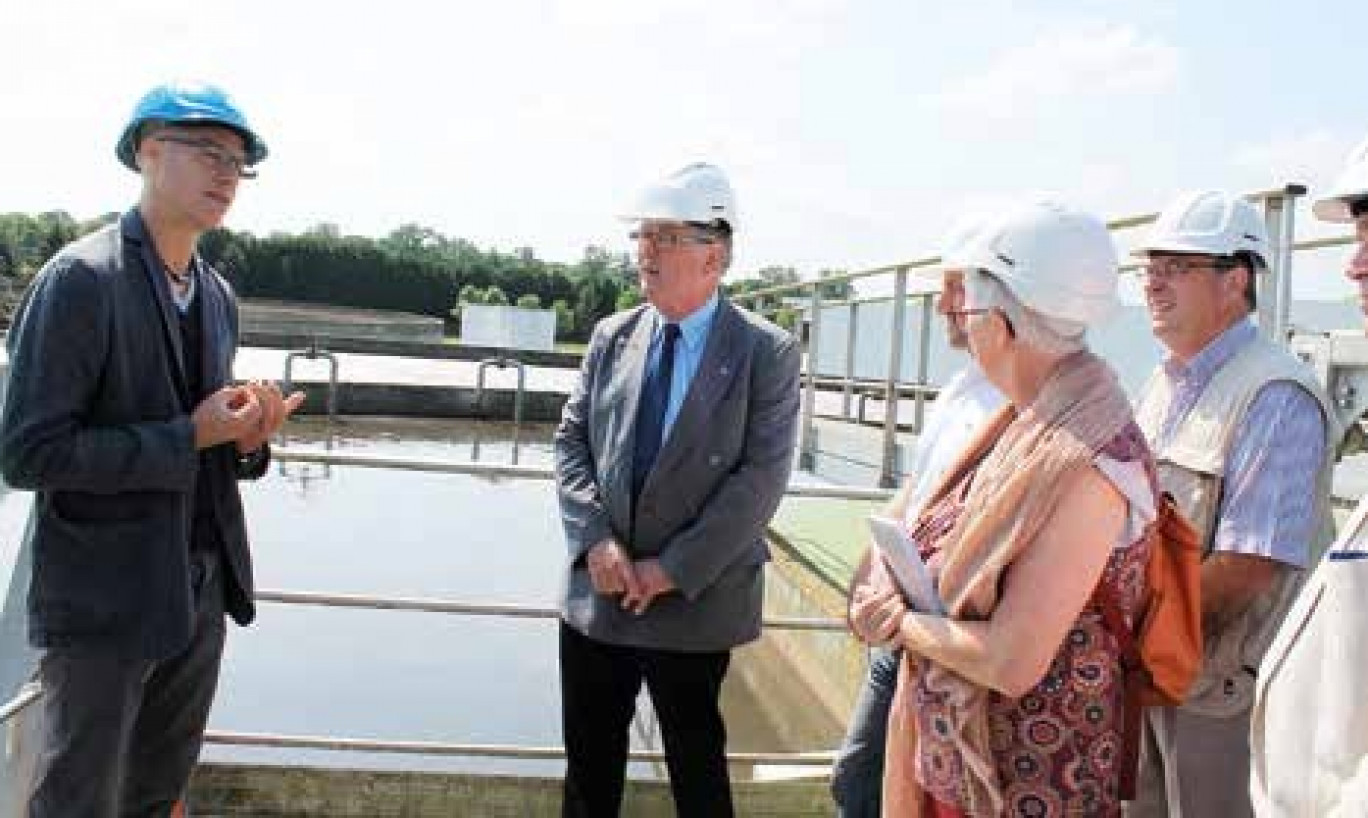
<point x="412" y="269"/>
<point x="835" y="290"/>
<point x="495" y="297"/>
<point x="785" y="308"/>
<point x="29" y="241"/>
<point x="529" y="301"/>
<point x="628" y="297"/>
<point x="565" y="318"/>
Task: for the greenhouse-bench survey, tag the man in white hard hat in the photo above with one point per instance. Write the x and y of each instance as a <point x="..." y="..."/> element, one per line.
<point x="963" y="404"/>
<point x="121" y="417"/>
<point x="673" y="453"/>
<point x="1310" y="724"/>
<point x="1241" y="431"/>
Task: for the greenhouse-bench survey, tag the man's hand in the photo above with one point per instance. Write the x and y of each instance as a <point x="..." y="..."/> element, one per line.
<point x="610" y="569"/>
<point x="275" y="410"/>
<point x="228" y="414"/>
<point x="653" y="582"/>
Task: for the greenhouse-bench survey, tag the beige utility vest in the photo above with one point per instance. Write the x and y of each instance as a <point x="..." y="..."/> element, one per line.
<point x="1192" y="469"/>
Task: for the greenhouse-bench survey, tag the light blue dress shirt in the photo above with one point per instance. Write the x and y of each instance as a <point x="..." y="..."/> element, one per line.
<point x="693" y="338"/>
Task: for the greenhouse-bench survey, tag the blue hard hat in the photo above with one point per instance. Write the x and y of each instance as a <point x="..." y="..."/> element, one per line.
<point x="187" y="102"/>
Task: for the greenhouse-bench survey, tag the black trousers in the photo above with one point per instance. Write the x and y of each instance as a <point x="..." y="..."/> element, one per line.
<point x="121" y="733"/>
<point x="599" y="685"/>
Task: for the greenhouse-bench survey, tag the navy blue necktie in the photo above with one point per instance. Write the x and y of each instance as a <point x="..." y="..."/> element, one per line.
<point x="655" y="399"/>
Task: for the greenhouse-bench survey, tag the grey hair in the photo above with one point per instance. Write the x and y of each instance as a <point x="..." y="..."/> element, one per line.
<point x="1046" y="333"/>
<point x="721" y="232"/>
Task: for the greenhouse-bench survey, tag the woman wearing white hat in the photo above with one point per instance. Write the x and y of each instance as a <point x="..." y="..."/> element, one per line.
<point x="1012" y="704"/>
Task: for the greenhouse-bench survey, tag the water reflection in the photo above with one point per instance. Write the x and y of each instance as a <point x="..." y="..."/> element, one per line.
<point x="411" y="676"/>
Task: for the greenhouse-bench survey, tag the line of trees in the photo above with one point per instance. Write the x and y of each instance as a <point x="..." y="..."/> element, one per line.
<point x="413" y="269"/>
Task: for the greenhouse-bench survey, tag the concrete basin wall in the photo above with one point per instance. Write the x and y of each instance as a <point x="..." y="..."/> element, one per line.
<point x="830" y="664"/>
<point x="294" y="792"/>
<point x="412" y="400"/>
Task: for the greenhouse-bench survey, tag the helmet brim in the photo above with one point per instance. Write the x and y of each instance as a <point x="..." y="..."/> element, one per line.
<point x="127" y="148"/>
<point x="1334" y="208"/>
<point x="1173" y="246"/>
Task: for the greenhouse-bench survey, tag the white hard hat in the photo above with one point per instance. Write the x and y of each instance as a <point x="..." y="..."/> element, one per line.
<point x="958" y="239"/>
<point x="962" y="231"/>
<point x="1209" y="222"/>
<point x="1352" y="184"/>
<point x="1056" y="260"/>
<point x="697" y="193"/>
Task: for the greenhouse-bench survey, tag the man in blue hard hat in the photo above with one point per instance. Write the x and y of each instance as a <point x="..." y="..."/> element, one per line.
<point x="120" y="415"/>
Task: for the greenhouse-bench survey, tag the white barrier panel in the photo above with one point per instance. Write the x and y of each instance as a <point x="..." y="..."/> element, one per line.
<point x="508" y="327"/>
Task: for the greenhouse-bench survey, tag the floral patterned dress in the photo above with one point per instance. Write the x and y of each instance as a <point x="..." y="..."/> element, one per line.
<point x="1057" y="748"/>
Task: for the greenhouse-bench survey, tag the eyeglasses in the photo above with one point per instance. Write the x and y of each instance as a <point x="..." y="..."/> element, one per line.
<point x="1166" y="268"/>
<point x="212" y="154"/>
<point x="968" y="311"/>
<point x="669" y="241"/>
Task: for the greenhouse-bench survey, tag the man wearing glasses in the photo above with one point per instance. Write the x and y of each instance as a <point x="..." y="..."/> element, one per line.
<point x="120" y="416"/>
<point x="966" y="401"/>
<point x="1241" y="431"/>
<point x="672" y="455"/>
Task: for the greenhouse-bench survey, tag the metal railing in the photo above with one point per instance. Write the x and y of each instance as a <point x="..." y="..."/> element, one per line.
<point x="515" y="610"/>
<point x="1274" y="306"/>
<point x="436" y="748"/>
<point x="314" y="352"/>
<point x="27" y="695"/>
<point x="31" y="693"/>
<point x="502" y="362"/>
<point x="496" y="470"/>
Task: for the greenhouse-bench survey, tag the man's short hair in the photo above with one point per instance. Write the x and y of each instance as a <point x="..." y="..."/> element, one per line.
<point x="1254" y="263"/>
<point x="722" y="232"/>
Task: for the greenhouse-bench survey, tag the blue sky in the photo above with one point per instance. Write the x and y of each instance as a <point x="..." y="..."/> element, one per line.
<point x="854" y="132"/>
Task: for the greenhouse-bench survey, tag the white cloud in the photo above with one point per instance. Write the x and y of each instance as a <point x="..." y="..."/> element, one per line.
<point x="1080" y="63"/>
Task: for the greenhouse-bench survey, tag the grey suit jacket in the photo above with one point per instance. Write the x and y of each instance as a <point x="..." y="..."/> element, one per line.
<point x="704" y="507"/>
<point x="97" y="422"/>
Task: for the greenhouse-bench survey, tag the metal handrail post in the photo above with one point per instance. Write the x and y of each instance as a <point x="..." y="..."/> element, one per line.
<point x="852" y="337"/>
<point x="1275" y="296"/>
<point x="522" y="390"/>
<point x="1269" y="291"/>
<point x="888" y="477"/>
<point x="314" y="353"/>
<point x="807" y="458"/>
<point x="502" y="362"/>
<point x="923" y="364"/>
<point x="1288" y="231"/>
<point x="480" y="385"/>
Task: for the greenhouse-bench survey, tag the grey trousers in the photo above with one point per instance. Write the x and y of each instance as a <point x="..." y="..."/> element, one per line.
<point x="857" y="775"/>
<point x="121" y="733"/>
<point x="1192" y="767"/>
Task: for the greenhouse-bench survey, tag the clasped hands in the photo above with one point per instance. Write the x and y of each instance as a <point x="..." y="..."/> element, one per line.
<point x="613" y="572"/>
<point x="247" y="414"/>
<point x="877" y="606"/>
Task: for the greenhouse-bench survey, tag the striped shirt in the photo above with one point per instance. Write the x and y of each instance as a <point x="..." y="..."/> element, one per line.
<point x="1268" y="499"/>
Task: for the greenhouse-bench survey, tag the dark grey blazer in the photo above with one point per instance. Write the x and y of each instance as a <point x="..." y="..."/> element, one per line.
<point x="97" y="422"/>
<point x="704" y="507"/>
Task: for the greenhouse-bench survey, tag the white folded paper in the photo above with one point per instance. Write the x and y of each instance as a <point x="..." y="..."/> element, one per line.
<point x="903" y="558"/>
